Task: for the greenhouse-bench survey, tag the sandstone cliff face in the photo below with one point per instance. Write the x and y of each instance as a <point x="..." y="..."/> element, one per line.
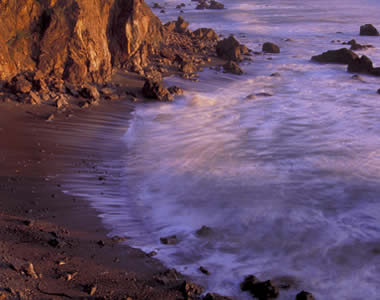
<point x="75" y="40"/>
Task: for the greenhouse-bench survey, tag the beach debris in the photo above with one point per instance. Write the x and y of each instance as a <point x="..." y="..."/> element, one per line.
<point x="233" y="68"/>
<point x="169" y="240"/>
<point x="28" y="223"/>
<point x="229" y="49"/>
<point x="28" y="269"/>
<point x="269" y="47"/>
<point x="304" y="296"/>
<point x="55" y="243"/>
<point x="50" y="118"/>
<point x="341" y="56"/>
<point x="259" y="289"/>
<point x="90" y="289"/>
<point x="204" y="270"/>
<point x="369" y="30"/>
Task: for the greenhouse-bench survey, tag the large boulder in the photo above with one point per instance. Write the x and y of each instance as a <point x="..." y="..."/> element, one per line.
<point x="304" y="296"/>
<point x="341" y="56"/>
<point x="155" y="90"/>
<point x="360" y="65"/>
<point x="369" y="29"/>
<point x="229" y="49"/>
<point x="269" y="47"/>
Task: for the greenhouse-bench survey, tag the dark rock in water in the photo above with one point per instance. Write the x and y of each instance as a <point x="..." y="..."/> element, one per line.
<point x="249" y="282"/>
<point x="155" y="90"/>
<point x="276" y="74"/>
<point x="304" y="296"/>
<point x="169" y="240"/>
<point x="233" y="68"/>
<point x="204" y="270"/>
<point x="215" y="5"/>
<point x="190" y="290"/>
<point x="378" y="91"/>
<point x="204" y="231"/>
<point x="357" y="77"/>
<point x="214" y="296"/>
<point x="360" y="65"/>
<point x="175" y="90"/>
<point x="264" y="94"/>
<point x="271" y="48"/>
<point x="229" y="49"/>
<point x="341" y="56"/>
<point x="356" y="46"/>
<point x="369" y="29"/>
<point x="260" y="289"/>
<point x="375" y="71"/>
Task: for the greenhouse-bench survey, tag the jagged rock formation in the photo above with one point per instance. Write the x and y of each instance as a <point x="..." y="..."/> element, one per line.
<point x="75" y="40"/>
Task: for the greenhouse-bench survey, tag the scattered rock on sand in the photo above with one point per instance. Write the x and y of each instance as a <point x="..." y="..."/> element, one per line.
<point x="304" y="296"/>
<point x="368" y="29"/>
<point x="269" y="47"/>
<point x="260" y="289"/>
<point x="28" y="268"/>
<point x="156" y="90"/>
<point x="229" y="49"/>
<point x="233" y="68"/>
<point x="341" y="56"/>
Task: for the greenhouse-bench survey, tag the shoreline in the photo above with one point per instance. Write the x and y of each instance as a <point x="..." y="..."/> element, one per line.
<point x="36" y="214"/>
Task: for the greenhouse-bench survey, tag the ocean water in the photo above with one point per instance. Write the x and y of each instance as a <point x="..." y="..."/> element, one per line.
<point x="290" y="184"/>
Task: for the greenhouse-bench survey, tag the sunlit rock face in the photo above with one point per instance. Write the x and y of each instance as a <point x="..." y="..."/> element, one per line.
<point x="75" y="40"/>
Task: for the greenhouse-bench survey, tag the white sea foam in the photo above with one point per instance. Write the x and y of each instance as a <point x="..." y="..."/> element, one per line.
<point x="289" y="182"/>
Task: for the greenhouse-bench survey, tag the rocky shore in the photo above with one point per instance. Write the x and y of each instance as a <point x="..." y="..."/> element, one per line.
<point x="59" y="58"/>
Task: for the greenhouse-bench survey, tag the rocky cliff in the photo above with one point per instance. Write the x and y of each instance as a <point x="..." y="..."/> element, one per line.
<point x="75" y="40"/>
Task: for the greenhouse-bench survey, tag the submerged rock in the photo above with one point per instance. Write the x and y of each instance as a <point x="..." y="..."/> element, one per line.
<point x="341" y="56"/>
<point x="233" y="68"/>
<point x="304" y="296"/>
<point x="204" y="231"/>
<point x="214" y="296"/>
<point x="368" y="29"/>
<point x="271" y="48"/>
<point x="361" y="65"/>
<point x="156" y="90"/>
<point x="169" y="240"/>
<point x="260" y="289"/>
<point x="229" y="49"/>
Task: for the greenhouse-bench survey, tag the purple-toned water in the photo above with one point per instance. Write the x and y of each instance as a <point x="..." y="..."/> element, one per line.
<point x="290" y="183"/>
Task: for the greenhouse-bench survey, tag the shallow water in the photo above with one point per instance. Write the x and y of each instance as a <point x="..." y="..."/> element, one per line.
<point x="290" y="183"/>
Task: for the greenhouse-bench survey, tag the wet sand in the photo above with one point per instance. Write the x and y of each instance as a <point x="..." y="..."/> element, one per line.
<point x="61" y="235"/>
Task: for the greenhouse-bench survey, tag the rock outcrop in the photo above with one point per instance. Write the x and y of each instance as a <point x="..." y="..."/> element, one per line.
<point x="341" y="56"/>
<point x="75" y="40"/>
